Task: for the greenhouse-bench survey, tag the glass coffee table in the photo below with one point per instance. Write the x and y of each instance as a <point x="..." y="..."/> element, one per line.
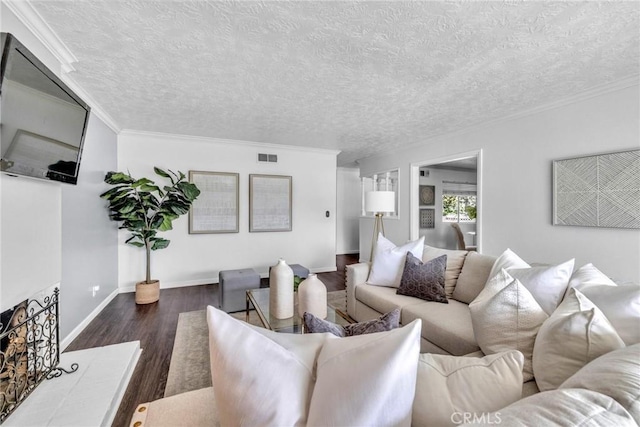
<point x="259" y="299"/>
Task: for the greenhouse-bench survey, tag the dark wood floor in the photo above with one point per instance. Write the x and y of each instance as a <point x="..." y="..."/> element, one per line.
<point x="154" y="325"/>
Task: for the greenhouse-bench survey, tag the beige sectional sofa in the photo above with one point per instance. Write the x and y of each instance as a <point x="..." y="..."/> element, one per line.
<point x="446" y="328"/>
<point x="603" y="392"/>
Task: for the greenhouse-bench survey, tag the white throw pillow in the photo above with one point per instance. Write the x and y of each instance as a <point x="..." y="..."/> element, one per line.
<point x="448" y="385"/>
<point x="250" y="368"/>
<point x="559" y="408"/>
<point x="616" y="374"/>
<point x="388" y="261"/>
<point x="508" y="259"/>
<point x="620" y="304"/>
<point x="547" y="284"/>
<point x="505" y="316"/>
<point x="267" y="378"/>
<point x="575" y="334"/>
<point x="367" y="380"/>
<point x="589" y="275"/>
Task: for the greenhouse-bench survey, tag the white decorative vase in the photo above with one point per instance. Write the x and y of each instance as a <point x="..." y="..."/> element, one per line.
<point x="312" y="297"/>
<point x="281" y="290"/>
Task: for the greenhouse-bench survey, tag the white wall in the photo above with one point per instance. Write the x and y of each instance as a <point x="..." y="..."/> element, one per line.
<point x="31" y="238"/>
<point x="348" y="211"/>
<point x="197" y="258"/>
<point x="517" y="181"/>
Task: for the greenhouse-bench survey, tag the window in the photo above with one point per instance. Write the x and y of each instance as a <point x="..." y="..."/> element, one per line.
<point x="459" y="201"/>
<point x="458" y="208"/>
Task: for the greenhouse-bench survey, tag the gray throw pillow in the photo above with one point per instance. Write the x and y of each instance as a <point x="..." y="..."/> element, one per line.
<point x="313" y="324"/>
<point x="384" y="323"/>
<point x="424" y="280"/>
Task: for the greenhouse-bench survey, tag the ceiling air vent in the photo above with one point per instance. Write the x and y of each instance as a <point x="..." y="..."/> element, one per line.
<point x="267" y="158"/>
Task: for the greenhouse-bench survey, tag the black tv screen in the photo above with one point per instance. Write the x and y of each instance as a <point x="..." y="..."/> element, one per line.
<point x="43" y="123"/>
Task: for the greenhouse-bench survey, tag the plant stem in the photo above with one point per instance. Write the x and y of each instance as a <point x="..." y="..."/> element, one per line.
<point x="148" y="250"/>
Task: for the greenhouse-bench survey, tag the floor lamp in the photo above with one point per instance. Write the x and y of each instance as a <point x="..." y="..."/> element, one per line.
<point x="378" y="202"/>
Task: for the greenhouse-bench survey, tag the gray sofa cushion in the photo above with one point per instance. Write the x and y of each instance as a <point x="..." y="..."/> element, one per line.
<point x="472" y="278"/>
<point x="446" y="325"/>
<point x="383" y="299"/>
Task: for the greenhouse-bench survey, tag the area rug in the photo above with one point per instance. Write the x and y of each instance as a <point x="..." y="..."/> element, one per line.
<point x="189" y="367"/>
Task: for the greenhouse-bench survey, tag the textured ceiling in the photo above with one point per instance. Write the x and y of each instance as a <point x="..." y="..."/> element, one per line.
<point x="361" y="77"/>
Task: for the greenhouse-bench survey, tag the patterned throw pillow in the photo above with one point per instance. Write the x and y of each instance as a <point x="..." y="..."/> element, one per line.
<point x="384" y="323"/>
<point x="424" y="280"/>
<point x="314" y="324"/>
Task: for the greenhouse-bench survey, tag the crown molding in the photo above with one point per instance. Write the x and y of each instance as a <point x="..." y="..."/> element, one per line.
<point x="32" y="20"/>
<point x="25" y="12"/>
<point x="206" y="139"/>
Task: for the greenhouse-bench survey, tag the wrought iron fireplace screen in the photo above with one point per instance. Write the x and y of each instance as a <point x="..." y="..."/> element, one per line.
<point x="29" y="350"/>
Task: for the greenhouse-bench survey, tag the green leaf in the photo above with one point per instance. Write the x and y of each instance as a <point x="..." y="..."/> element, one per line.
<point x="138" y="244"/>
<point x="117" y="178"/>
<point x="112" y="191"/>
<point x="160" y="172"/>
<point x="159" y="243"/>
<point x="191" y="191"/>
<point x="142" y="181"/>
<point x="149" y="188"/>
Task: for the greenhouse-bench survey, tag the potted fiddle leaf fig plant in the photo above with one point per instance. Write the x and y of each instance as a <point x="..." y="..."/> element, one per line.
<point x="144" y="209"/>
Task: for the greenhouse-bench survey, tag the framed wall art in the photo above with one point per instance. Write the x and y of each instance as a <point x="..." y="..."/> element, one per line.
<point x="427" y="218"/>
<point x="216" y="210"/>
<point x="598" y="191"/>
<point x="270" y="204"/>
<point x="427" y="195"/>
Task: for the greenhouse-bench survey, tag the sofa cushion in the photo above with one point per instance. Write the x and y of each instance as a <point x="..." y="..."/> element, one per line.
<point x="388" y="261"/>
<point x="473" y="277"/>
<point x="424" y="280"/>
<point x="383" y="299"/>
<point x="451" y="384"/>
<point x="292" y="379"/>
<point x="192" y="408"/>
<point x="560" y="408"/>
<point x="447" y="326"/>
<point x="575" y="334"/>
<point x="616" y="374"/>
<point x="455" y="261"/>
<point x="505" y="316"/>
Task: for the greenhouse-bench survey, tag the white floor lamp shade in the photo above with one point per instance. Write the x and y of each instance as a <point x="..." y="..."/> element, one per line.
<point x="379" y="202"/>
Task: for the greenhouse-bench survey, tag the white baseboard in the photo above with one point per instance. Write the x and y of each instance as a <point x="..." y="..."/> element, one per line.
<point x="213" y="280"/>
<point x="64" y="343"/>
<point x="169" y="285"/>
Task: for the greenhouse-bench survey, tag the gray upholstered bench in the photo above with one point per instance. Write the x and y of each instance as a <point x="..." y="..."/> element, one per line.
<point x="233" y="285"/>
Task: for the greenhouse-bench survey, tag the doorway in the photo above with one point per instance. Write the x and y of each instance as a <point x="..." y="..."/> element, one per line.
<point x="446" y="201"/>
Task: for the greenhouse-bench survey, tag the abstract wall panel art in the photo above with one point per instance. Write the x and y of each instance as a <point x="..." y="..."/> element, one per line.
<point x="598" y="191"/>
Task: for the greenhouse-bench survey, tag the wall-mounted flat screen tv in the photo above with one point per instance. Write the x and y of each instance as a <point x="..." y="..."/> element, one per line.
<point x="42" y="122"/>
